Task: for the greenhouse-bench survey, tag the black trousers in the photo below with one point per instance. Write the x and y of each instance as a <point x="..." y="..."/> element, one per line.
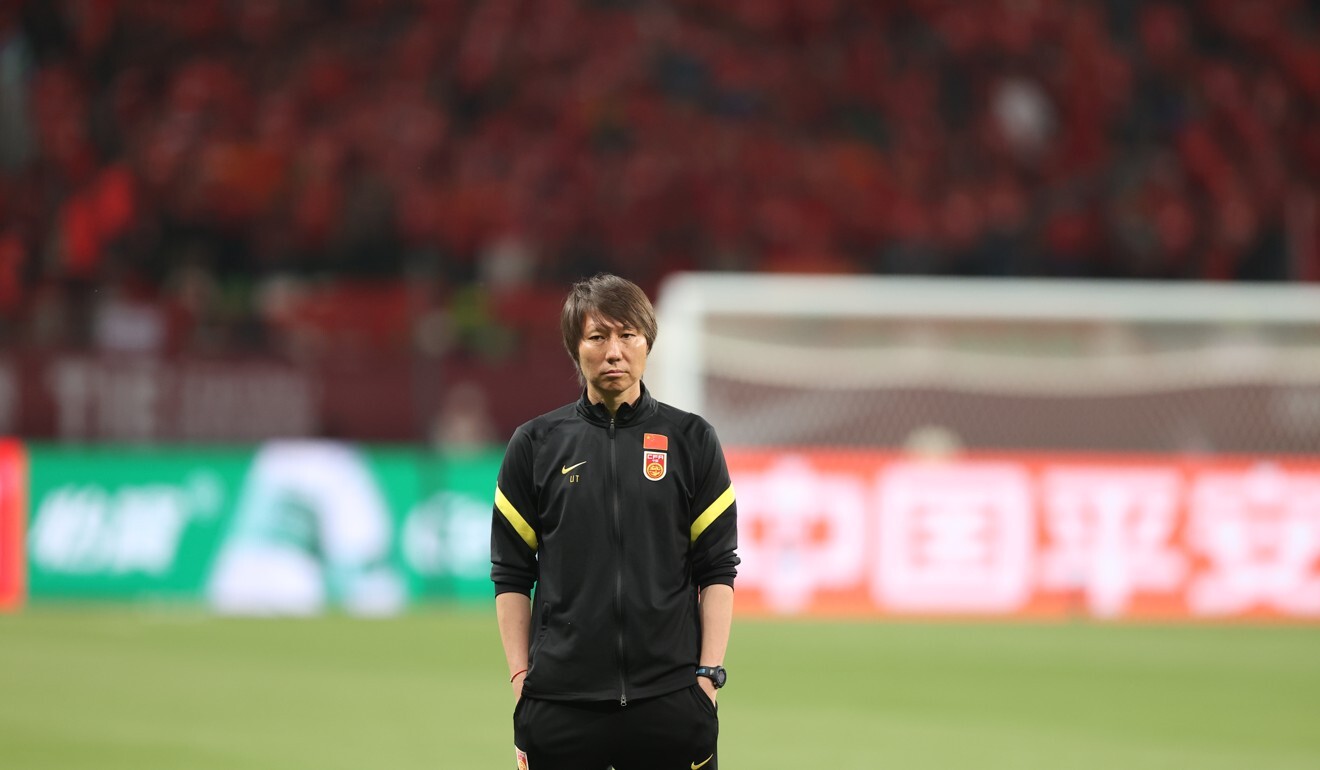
<point x="677" y="731"/>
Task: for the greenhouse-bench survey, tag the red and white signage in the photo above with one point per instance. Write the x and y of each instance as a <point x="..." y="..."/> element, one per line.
<point x="1111" y="537"/>
<point x="13" y="513"/>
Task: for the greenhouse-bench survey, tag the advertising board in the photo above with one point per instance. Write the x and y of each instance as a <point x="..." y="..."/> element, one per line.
<point x="287" y="527"/>
<point x="299" y="527"/>
<point x="13" y="503"/>
<point x="861" y="533"/>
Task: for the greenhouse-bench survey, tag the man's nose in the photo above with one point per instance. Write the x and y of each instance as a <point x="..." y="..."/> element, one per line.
<point x="613" y="348"/>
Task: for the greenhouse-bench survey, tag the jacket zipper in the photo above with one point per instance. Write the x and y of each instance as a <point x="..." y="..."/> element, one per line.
<point x="618" y="574"/>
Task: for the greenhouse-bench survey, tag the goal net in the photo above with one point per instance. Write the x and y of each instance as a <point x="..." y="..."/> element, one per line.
<point x="921" y="363"/>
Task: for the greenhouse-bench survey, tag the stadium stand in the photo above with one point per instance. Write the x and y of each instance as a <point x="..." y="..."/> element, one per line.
<point x="218" y="176"/>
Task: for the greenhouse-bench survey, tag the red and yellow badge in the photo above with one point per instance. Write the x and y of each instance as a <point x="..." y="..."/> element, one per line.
<point x="654" y="449"/>
<point x="654" y="465"/>
<point x="521" y="756"/>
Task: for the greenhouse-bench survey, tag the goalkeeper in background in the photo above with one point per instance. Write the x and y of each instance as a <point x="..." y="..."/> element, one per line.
<point x="619" y="510"/>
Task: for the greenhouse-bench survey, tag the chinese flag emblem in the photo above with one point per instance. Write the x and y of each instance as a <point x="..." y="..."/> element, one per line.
<point x="655" y="441"/>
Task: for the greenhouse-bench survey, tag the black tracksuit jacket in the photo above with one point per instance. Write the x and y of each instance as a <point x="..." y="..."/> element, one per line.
<point x="616" y="554"/>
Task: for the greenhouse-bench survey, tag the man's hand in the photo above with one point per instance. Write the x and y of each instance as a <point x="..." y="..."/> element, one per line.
<point x="708" y="687"/>
<point x="513" y="612"/>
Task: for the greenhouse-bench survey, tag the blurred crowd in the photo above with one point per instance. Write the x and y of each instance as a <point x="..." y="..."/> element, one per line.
<point x="213" y="174"/>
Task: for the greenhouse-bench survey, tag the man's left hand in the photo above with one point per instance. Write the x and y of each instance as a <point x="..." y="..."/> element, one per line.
<point x="708" y="687"/>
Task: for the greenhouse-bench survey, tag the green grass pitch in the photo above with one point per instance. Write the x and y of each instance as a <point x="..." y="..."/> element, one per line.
<point x="111" y="689"/>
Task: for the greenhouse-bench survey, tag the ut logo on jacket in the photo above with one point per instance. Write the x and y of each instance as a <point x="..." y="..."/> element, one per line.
<point x="567" y="469"/>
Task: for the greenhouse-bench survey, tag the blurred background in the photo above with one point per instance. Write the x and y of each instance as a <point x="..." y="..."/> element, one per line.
<point x="1002" y="309"/>
<point x="284" y="275"/>
<point x="380" y="202"/>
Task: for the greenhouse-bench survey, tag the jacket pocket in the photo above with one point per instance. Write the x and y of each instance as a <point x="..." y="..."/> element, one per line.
<point x="541" y="634"/>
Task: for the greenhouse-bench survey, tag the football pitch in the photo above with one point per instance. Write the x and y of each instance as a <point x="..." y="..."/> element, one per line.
<point x="109" y="689"/>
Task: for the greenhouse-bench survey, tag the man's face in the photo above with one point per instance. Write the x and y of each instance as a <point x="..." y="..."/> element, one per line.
<point x="613" y="358"/>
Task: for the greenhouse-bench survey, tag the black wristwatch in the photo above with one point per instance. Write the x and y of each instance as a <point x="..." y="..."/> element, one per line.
<point x="715" y="674"/>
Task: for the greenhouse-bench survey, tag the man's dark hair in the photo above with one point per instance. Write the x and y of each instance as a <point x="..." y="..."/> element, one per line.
<point x="612" y="298"/>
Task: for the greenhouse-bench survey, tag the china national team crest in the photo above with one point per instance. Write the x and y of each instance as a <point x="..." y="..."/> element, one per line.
<point x="522" y="758"/>
<point x="653" y="465"/>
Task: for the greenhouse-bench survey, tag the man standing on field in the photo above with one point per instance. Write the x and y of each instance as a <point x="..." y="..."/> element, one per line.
<point x="619" y="510"/>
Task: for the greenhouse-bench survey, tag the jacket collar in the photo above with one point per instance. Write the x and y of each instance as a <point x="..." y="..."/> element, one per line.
<point x="628" y="413"/>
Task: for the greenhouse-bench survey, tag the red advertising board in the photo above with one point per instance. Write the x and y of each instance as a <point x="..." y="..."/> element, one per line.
<point x="12" y="513"/>
<point x="863" y="533"/>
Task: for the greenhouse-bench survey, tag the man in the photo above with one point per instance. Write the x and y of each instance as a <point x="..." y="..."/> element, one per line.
<point x="619" y="510"/>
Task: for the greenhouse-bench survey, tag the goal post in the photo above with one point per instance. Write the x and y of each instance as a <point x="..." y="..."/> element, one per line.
<point x="991" y="364"/>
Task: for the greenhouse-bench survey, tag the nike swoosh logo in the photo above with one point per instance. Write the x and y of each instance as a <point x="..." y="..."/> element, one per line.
<point x="702" y="763"/>
<point x="564" y="471"/>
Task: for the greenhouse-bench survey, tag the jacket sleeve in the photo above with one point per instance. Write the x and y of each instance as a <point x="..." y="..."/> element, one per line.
<point x="515" y="522"/>
<point x="714" y="515"/>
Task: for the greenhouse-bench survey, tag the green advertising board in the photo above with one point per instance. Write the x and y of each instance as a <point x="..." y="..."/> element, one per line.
<point x="289" y="527"/>
<point x="445" y="536"/>
<point x="121" y="523"/>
